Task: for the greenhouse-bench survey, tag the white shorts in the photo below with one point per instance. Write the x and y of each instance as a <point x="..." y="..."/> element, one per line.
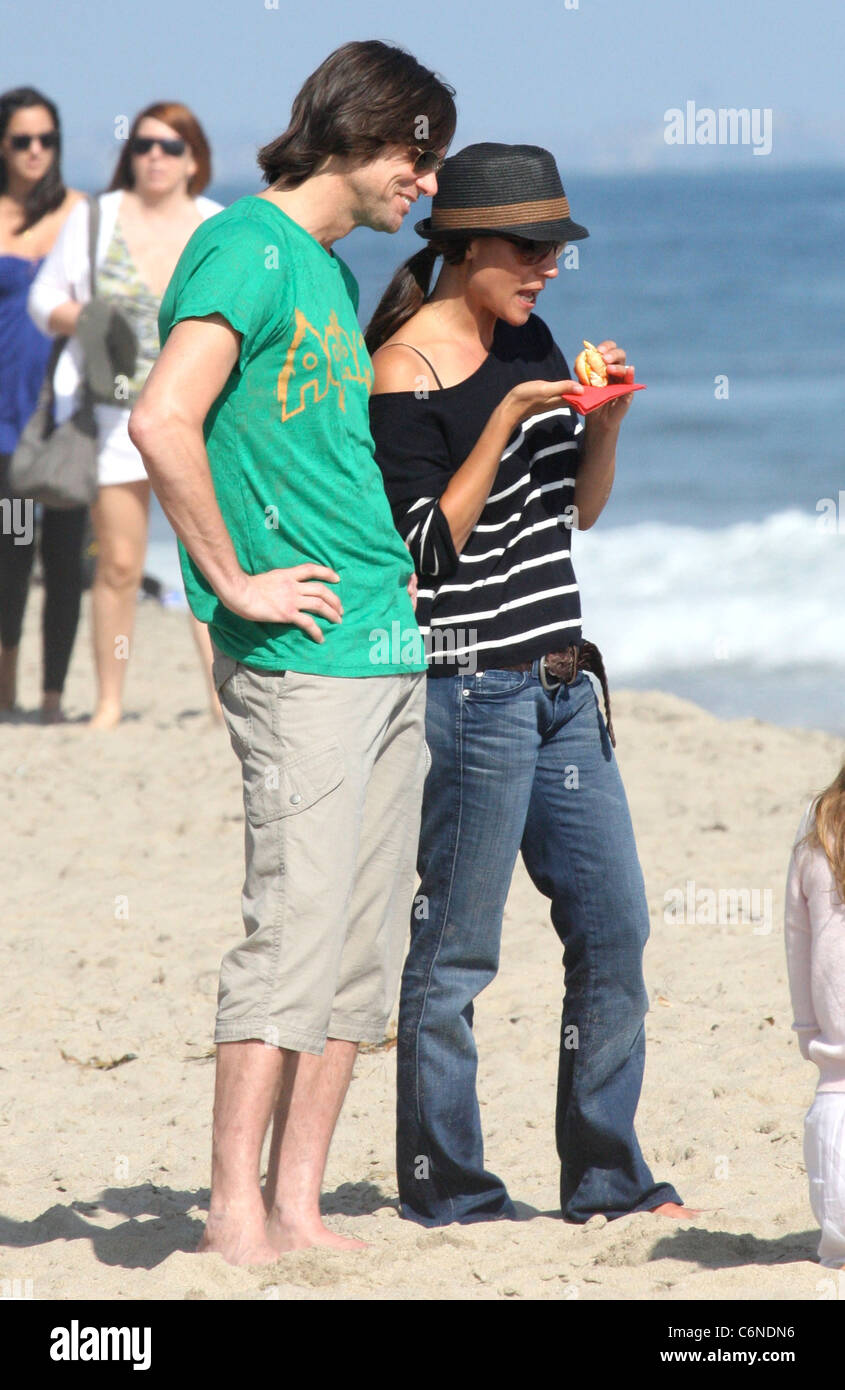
<point x="118" y="461"/>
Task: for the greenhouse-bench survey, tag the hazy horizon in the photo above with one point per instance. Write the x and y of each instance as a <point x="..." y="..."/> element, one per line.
<point x="591" y="79"/>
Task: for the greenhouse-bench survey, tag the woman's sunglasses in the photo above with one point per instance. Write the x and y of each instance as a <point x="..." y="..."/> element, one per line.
<point x="533" y="252"/>
<point x="142" y="144"/>
<point x="48" y="141"/>
<point x="427" y="161"/>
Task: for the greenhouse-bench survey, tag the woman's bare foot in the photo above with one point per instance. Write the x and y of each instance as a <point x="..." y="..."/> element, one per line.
<point x="284" y="1234"/>
<point x="105" y="717"/>
<point x="676" y="1212"/>
<point x="241" y="1239"/>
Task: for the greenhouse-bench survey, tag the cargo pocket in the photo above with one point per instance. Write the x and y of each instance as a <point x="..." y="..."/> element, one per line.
<point x="228" y="682"/>
<point x="222" y="667"/>
<point x="286" y="789"/>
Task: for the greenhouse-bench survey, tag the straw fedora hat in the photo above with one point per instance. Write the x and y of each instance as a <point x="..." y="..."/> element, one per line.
<point x="501" y="190"/>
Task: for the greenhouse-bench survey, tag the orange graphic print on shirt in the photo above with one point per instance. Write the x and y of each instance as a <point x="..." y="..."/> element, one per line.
<point x="318" y="363"/>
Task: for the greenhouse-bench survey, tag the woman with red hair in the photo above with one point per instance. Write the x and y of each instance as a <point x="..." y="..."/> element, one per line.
<point x="145" y="220"/>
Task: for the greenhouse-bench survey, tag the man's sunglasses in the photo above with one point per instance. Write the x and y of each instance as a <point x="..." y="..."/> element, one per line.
<point x="142" y="144"/>
<point x="533" y="252"/>
<point x="427" y="161"/>
<point x="48" y="141"/>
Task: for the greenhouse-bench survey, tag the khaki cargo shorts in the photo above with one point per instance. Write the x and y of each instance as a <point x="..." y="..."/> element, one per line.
<point x="333" y="772"/>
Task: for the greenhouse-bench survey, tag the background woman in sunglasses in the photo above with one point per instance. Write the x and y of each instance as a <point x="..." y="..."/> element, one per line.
<point x="34" y="203"/>
<point x="151" y="210"/>
<point x="483" y="463"/>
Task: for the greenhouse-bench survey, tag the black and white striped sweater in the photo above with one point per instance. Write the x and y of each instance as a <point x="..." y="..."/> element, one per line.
<point x="511" y="594"/>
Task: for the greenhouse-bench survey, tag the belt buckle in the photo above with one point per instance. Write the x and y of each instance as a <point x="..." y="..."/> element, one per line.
<point x="544" y="679"/>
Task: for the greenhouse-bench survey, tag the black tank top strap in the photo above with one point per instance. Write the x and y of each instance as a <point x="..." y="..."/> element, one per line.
<point x="419" y="354"/>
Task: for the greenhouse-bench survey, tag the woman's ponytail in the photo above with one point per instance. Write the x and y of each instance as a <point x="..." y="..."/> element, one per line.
<point x="408" y="290"/>
<point x="405" y="294"/>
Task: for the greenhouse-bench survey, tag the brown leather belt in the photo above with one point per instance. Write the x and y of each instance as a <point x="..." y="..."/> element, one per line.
<point x="563" y="668"/>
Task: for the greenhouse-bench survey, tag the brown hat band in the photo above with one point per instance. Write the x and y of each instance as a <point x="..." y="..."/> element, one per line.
<point x="501" y="215"/>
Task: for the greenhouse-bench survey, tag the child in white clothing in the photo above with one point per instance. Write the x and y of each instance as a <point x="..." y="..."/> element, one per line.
<point x="815" y="955"/>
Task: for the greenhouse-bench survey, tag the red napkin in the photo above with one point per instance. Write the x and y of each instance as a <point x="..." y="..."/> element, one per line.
<point x="594" y="396"/>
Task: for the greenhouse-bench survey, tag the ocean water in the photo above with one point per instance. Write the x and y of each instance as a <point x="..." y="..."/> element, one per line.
<point x="717" y="570"/>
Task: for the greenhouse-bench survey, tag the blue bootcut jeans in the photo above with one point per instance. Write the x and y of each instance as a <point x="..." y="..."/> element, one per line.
<point x="516" y="767"/>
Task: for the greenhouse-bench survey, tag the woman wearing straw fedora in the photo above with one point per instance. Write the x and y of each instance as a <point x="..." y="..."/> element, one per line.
<point x="486" y="469"/>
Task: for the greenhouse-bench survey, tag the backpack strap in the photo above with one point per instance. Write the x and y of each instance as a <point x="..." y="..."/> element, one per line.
<point x="93" y="232"/>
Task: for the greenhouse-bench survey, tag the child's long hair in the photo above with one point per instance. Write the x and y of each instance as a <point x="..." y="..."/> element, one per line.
<point x="828" y="828"/>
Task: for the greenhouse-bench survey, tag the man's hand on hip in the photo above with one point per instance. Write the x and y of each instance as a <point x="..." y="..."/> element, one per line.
<point x="287" y="596"/>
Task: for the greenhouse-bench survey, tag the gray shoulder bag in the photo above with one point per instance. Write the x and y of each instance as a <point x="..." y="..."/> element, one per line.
<point x="58" y="465"/>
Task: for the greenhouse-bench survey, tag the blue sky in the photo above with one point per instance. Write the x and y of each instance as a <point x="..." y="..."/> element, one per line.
<point x="590" y="79"/>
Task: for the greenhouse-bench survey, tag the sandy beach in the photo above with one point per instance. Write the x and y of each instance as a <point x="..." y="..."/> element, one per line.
<point x="122" y="872"/>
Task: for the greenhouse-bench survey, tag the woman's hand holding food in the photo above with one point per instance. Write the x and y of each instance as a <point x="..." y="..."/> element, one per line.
<point x="618" y="373"/>
<point x="468" y="489"/>
<point x="597" y="463"/>
<point x="531" y="397"/>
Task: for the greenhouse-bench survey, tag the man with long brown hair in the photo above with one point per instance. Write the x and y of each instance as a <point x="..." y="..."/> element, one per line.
<point x="254" y="428"/>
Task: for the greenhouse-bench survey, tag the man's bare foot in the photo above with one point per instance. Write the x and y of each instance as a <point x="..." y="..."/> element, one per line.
<point x="284" y="1234"/>
<point x="105" y="717"/>
<point x="241" y="1239"/>
<point x="676" y="1212"/>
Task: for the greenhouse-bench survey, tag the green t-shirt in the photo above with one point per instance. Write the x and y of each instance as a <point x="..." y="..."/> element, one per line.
<point x="289" y="444"/>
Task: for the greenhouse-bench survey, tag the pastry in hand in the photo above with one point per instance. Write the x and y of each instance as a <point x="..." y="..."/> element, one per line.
<point x="590" y="366"/>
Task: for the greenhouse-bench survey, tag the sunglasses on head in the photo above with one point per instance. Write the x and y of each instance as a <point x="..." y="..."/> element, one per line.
<point x="48" y="141"/>
<point x="142" y="144"/>
<point x="533" y="252"/>
<point x="427" y="161"/>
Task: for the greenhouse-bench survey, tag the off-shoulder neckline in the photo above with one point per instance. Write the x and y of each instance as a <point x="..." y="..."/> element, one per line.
<point x="456" y="386"/>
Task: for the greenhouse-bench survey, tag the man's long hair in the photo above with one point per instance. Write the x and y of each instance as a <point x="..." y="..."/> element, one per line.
<point x="363" y="97"/>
